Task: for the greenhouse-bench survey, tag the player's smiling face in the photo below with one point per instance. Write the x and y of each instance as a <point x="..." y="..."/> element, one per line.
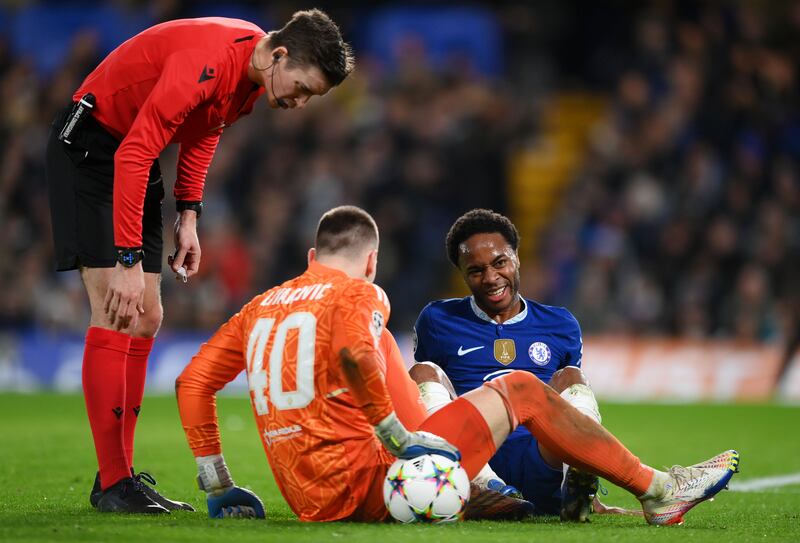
<point x="490" y="268"/>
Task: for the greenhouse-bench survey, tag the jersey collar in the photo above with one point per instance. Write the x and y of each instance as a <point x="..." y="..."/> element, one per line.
<point x="480" y="313"/>
<point x="321" y="269"/>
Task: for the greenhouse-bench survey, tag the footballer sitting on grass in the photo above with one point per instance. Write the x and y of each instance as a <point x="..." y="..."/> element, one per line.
<point x="330" y="430"/>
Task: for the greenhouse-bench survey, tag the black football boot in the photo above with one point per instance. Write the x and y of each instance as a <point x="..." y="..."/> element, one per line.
<point x="128" y="496"/>
<point x="143" y="479"/>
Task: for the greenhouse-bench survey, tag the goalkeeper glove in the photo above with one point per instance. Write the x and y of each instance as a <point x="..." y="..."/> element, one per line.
<point x="235" y="503"/>
<point x="404" y="444"/>
<point x="223" y="498"/>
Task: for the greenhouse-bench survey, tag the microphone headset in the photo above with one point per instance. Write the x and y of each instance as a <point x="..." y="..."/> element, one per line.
<point x="275" y="58"/>
<point x="280" y="101"/>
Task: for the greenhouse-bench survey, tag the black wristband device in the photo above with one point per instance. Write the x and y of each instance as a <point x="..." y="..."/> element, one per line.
<point x="183" y="205"/>
<point x="129" y="256"/>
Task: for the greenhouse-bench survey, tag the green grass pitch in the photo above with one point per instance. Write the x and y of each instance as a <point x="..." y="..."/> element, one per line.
<point x="47" y="468"/>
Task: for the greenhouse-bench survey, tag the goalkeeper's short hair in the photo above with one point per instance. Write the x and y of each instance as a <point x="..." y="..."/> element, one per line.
<point x="346" y="230"/>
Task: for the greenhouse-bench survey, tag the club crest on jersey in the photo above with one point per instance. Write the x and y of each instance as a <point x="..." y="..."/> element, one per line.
<point x="505" y="351"/>
<point x="539" y="353"/>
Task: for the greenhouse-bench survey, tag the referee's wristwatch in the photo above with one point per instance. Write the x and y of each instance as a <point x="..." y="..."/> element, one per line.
<point x="129" y="256"/>
<point x="183" y="205"/>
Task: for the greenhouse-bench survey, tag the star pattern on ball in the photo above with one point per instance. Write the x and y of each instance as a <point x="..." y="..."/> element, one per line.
<point x="397" y="483"/>
<point x="441" y="476"/>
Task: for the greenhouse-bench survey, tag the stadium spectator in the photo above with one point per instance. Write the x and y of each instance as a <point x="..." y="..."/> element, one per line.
<point x="694" y="170"/>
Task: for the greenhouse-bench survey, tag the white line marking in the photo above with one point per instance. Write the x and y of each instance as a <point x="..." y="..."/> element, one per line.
<point x="763" y="483"/>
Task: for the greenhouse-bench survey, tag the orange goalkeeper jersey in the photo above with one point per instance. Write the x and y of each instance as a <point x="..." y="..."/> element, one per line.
<point x="321" y="448"/>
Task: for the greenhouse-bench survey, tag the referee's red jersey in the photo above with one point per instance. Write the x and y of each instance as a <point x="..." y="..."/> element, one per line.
<point x="177" y="82"/>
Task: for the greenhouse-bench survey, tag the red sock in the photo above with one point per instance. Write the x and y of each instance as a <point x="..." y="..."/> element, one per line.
<point x="135" y="374"/>
<point x="574" y="437"/>
<point x="104" y="392"/>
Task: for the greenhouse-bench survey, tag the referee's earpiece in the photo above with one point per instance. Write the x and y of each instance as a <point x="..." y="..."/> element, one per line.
<point x="280" y="101"/>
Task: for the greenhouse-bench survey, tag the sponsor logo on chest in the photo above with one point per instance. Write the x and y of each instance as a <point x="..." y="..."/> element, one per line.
<point x="281" y="434"/>
<point x="462" y="351"/>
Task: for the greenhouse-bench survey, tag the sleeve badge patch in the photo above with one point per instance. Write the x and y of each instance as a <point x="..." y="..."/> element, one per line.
<point x="376" y="326"/>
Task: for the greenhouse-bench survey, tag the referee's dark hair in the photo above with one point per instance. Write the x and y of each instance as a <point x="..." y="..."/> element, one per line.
<point x="312" y="38"/>
<point x="346" y="230"/>
<point x="479" y="221"/>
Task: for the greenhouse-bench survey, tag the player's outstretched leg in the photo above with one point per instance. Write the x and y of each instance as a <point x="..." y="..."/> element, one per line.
<point x="460" y="423"/>
<point x="436" y="391"/>
<point x="581" y="442"/>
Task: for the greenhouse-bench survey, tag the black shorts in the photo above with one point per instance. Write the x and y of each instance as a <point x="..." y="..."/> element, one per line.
<point x="80" y="176"/>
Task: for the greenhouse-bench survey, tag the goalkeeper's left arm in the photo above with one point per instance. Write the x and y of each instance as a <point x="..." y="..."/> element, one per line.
<point x="369" y="389"/>
<point x="219" y="361"/>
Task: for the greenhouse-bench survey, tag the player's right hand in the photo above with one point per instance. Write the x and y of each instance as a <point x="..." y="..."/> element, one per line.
<point x="187" y="245"/>
<point x="404" y="444"/>
<point x="124" y="300"/>
<point x="235" y="502"/>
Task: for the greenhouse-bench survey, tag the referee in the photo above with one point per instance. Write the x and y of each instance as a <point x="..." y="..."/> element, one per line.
<point x="179" y="82"/>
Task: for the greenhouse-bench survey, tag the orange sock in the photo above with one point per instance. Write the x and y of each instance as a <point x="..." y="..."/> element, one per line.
<point x="562" y="429"/>
<point x="460" y="423"/>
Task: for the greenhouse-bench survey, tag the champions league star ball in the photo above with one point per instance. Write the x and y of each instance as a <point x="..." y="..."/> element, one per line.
<point x="428" y="488"/>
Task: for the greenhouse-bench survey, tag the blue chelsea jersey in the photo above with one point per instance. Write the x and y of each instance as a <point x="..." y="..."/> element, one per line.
<point x="472" y="348"/>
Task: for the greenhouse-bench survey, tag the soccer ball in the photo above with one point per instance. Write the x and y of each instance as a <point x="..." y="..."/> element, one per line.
<point x="428" y="488"/>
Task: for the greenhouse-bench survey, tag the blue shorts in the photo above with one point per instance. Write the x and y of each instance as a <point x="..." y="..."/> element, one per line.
<point x="519" y="464"/>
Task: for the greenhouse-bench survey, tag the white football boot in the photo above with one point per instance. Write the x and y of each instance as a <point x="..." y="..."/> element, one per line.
<point x="686" y="487"/>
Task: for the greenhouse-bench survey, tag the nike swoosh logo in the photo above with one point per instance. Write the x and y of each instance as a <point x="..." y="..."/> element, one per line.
<point x="207" y="74"/>
<point x="462" y="351"/>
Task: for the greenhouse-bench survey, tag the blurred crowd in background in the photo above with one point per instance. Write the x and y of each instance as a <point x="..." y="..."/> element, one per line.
<point x="684" y="218"/>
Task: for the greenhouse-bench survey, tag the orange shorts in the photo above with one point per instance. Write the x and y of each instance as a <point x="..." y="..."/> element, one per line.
<point x="372" y="509"/>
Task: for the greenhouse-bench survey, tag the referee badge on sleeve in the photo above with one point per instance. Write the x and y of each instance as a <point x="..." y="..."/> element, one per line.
<point x="505" y="351"/>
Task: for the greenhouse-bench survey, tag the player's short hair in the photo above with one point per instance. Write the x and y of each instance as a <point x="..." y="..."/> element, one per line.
<point x="312" y="38"/>
<point x="479" y="221"/>
<point x="346" y="230"/>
